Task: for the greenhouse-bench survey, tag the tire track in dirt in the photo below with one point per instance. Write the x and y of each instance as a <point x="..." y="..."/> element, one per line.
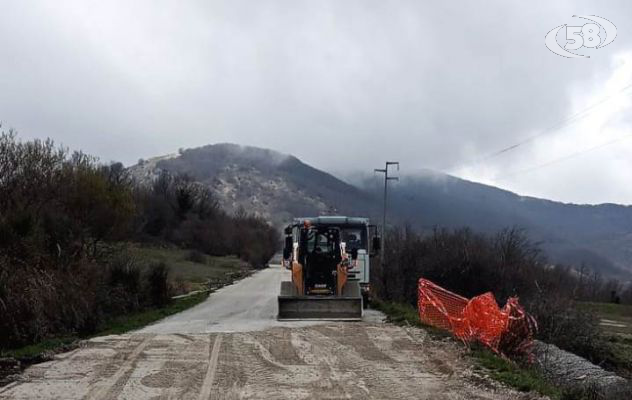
<point x="356" y="339"/>
<point x="166" y="368"/>
<point x="318" y="366"/>
<point x="261" y="371"/>
<point x="364" y="377"/>
<point x="352" y="361"/>
<point x="178" y="366"/>
<point x="104" y="390"/>
<point x="329" y="361"/>
<point x="262" y="365"/>
<point x="207" y="384"/>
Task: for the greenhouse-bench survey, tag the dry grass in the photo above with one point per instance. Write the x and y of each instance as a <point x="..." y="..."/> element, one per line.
<point x="188" y="275"/>
<point x="615" y="322"/>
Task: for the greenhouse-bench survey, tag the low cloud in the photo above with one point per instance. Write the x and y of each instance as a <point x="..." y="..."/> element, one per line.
<point x="341" y="85"/>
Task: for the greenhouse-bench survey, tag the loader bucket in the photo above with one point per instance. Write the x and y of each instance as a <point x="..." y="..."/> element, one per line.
<point x="347" y="307"/>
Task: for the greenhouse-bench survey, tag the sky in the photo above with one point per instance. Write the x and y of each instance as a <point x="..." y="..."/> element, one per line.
<point x="343" y="85"/>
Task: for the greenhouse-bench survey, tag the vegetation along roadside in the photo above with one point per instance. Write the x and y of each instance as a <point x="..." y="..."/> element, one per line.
<point x="85" y="250"/>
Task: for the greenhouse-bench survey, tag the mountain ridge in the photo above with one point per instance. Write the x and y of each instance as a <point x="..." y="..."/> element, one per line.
<point x="278" y="187"/>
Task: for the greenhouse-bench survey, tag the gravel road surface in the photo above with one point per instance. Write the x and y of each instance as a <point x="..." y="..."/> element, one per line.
<point x="231" y="347"/>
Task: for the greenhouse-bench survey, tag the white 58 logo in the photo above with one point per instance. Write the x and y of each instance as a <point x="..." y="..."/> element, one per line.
<point x="596" y="34"/>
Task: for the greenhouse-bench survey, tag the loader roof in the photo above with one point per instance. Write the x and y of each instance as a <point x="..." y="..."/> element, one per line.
<point x="332" y="220"/>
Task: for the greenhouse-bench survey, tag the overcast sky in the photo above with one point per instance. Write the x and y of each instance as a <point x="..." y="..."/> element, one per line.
<point x="342" y="85"/>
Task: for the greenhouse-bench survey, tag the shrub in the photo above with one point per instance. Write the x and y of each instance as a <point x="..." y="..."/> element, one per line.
<point x="562" y="324"/>
<point x="124" y="286"/>
<point x="158" y="287"/>
<point x="61" y="215"/>
<point x="506" y="264"/>
<point x="56" y="209"/>
<point x="37" y="303"/>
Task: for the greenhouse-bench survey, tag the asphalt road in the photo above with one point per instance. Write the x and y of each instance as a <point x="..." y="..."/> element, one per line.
<point x="232" y="347"/>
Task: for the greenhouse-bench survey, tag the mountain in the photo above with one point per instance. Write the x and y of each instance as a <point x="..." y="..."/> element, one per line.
<point x="598" y="235"/>
<point x="270" y="184"/>
<point x="278" y="187"/>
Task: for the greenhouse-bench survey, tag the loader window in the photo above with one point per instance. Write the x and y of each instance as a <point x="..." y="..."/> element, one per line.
<point x="322" y="242"/>
<point x="319" y="243"/>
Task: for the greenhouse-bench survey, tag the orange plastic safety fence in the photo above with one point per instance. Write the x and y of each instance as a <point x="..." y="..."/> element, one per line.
<point x="509" y="330"/>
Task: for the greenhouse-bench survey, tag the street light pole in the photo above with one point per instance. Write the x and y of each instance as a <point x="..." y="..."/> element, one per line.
<point x="386" y="179"/>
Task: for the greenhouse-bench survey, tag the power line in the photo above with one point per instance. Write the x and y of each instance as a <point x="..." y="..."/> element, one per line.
<point x="557" y="160"/>
<point x="558" y="125"/>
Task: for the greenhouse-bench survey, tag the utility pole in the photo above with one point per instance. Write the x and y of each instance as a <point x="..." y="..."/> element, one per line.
<point x="386" y="179"/>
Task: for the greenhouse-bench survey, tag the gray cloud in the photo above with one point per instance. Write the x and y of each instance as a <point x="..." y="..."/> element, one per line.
<point x="341" y="85"/>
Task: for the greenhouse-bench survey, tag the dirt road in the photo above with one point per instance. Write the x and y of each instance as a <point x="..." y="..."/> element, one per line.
<point x="231" y="347"/>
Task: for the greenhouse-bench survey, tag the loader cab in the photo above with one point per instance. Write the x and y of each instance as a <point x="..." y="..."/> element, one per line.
<point x="359" y="238"/>
<point x="320" y="252"/>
